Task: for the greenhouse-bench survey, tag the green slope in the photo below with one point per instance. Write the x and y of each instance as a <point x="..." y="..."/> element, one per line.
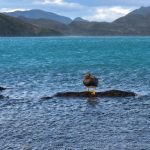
<point x="10" y="26"/>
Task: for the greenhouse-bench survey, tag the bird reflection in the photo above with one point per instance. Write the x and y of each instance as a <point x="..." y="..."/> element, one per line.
<point x="93" y="101"/>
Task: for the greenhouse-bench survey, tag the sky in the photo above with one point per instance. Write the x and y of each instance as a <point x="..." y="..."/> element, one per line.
<point x="93" y="10"/>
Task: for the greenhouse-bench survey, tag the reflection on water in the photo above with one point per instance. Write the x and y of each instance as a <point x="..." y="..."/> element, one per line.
<point x="93" y="101"/>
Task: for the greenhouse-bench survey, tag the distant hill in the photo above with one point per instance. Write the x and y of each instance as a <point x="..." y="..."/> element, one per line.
<point x="46" y="24"/>
<point x="40" y="14"/>
<point x="10" y="26"/>
<point x="136" y="22"/>
<point x="143" y="11"/>
<point x="95" y="28"/>
<point x="80" y="19"/>
<point x="137" y="17"/>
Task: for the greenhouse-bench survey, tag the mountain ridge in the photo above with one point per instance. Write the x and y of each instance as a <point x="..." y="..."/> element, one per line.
<point x="40" y="14"/>
<point x="11" y="26"/>
<point x="136" y="22"/>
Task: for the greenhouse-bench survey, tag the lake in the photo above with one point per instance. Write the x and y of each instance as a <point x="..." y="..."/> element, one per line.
<point x="33" y="67"/>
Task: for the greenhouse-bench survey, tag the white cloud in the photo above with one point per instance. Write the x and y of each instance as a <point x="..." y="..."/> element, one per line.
<point x="59" y="3"/>
<point x="11" y="9"/>
<point x="108" y="13"/>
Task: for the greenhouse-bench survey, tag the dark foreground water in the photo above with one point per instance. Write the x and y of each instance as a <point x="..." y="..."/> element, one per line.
<point x="36" y="67"/>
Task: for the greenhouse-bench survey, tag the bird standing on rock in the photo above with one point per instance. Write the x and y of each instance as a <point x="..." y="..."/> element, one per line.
<point x="90" y="81"/>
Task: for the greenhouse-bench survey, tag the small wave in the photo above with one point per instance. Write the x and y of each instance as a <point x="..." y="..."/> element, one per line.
<point x="143" y="93"/>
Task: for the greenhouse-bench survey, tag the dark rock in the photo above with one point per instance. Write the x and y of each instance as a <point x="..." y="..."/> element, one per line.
<point x="2" y="89"/>
<point x="117" y="93"/>
<point x="47" y="97"/>
<point x="1" y="97"/>
<point x="111" y="93"/>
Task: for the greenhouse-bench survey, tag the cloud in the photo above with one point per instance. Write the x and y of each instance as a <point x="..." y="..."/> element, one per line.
<point x="11" y="9"/>
<point x="59" y="3"/>
<point x="92" y="13"/>
<point x="108" y="13"/>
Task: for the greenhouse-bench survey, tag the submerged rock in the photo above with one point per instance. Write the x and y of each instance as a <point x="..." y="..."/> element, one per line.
<point x="111" y="93"/>
<point x="1" y="97"/>
<point x="2" y="88"/>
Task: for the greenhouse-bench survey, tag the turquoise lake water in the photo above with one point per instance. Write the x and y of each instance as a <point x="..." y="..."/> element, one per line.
<point x="36" y="67"/>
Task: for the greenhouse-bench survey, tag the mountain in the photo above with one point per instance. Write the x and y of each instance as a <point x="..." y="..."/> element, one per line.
<point x="137" y="17"/>
<point x="136" y="22"/>
<point x="46" y="24"/>
<point x="80" y="19"/>
<point x="40" y="14"/>
<point x="10" y="26"/>
<point x="95" y="28"/>
<point x="143" y="11"/>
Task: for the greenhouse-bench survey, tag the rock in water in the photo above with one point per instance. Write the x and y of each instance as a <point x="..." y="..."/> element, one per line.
<point x="111" y="93"/>
<point x="2" y="88"/>
<point x="1" y="97"/>
<point x="117" y="93"/>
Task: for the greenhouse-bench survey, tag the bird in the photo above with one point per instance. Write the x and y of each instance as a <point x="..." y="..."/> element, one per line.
<point x="90" y="81"/>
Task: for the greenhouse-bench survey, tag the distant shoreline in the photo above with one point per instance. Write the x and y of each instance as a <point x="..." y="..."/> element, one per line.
<point x="75" y="36"/>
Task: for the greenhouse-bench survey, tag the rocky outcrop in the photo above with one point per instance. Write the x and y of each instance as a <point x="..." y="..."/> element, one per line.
<point x="111" y="93"/>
